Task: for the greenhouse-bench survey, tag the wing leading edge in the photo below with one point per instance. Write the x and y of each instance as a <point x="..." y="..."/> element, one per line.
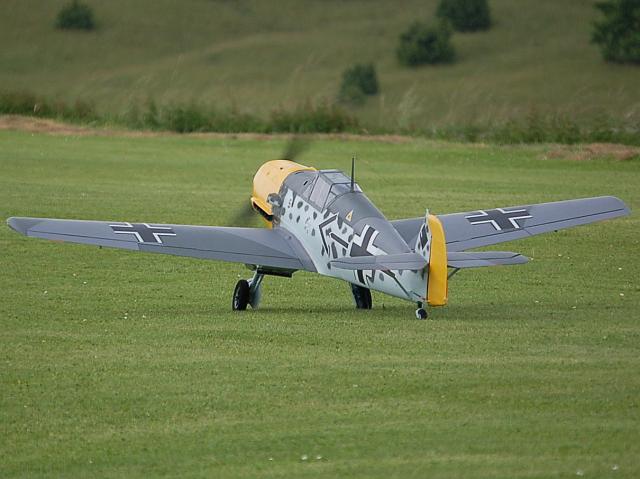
<point x="273" y="248"/>
<point x="474" y="229"/>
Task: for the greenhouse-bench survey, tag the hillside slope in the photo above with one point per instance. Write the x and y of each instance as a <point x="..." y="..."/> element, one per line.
<point x="257" y="56"/>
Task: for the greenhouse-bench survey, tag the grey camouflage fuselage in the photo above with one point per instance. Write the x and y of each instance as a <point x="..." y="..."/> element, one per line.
<point x="334" y="222"/>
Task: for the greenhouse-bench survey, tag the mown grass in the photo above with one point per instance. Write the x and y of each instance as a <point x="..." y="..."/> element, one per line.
<point x="255" y="57"/>
<point x="114" y="363"/>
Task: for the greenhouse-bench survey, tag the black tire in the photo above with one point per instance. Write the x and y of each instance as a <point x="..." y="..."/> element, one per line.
<point x="240" y="296"/>
<point x="421" y="313"/>
<point x="361" y="296"/>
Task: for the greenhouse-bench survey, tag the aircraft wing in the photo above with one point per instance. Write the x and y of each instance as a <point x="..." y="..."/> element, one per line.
<point x="474" y="229"/>
<point x="274" y="248"/>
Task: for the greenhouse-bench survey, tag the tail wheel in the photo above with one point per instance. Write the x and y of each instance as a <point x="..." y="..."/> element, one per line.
<point x="240" y="296"/>
<point x="361" y="296"/>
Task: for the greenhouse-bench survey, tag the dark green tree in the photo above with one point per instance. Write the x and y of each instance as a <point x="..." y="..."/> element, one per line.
<point x="358" y="81"/>
<point x="618" y="33"/>
<point x="466" y="15"/>
<point x="426" y="44"/>
<point x="75" y="16"/>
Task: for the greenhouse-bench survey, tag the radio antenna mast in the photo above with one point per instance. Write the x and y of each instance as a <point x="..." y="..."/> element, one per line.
<point x="353" y="167"/>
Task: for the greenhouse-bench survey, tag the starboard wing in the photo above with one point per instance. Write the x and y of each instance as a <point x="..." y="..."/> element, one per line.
<point x="274" y="248"/>
<point x="474" y="229"/>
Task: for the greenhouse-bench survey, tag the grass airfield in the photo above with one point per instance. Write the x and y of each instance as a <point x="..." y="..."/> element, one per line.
<point x="115" y="363"/>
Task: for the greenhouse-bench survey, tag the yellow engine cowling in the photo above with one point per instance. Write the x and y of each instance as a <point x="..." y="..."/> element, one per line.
<point x="437" y="285"/>
<point x="268" y="179"/>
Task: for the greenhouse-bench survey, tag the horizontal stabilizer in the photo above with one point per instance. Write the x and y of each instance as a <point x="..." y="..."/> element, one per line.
<point x="478" y="259"/>
<point x="383" y="262"/>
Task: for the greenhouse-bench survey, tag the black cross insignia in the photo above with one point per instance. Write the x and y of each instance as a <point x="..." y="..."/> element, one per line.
<point x="424" y="236"/>
<point x="360" y="247"/>
<point x="361" y="243"/>
<point x="144" y="232"/>
<point x="499" y="218"/>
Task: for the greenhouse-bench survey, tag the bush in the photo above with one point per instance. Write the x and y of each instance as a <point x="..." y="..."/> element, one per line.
<point x="351" y="95"/>
<point x="190" y="118"/>
<point x="75" y="16"/>
<point x="423" y="43"/>
<point x="25" y="103"/>
<point x="538" y="128"/>
<point x="309" y="118"/>
<point x="465" y="15"/>
<point x="185" y="119"/>
<point x="618" y="34"/>
<point x="325" y="117"/>
<point x="193" y="117"/>
<point x="19" y="103"/>
<point x="358" y="82"/>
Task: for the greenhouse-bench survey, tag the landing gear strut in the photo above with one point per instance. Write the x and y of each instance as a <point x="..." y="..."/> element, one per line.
<point x="361" y="296"/>
<point x="421" y="313"/>
<point x="247" y="292"/>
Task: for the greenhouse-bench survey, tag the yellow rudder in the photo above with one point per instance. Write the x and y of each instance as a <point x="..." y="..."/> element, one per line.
<point x="437" y="283"/>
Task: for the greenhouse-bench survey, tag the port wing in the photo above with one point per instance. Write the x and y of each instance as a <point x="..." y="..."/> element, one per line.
<point x="273" y="248"/>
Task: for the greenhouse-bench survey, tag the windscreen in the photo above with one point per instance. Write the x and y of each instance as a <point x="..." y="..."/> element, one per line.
<point x="330" y="185"/>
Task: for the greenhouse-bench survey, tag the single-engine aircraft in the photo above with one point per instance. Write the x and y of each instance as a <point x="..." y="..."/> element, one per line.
<point x="321" y="221"/>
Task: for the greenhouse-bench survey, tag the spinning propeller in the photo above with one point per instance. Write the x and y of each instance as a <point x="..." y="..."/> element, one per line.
<point x="244" y="214"/>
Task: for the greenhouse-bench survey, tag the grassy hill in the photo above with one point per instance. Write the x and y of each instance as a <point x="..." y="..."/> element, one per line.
<point x="256" y="56"/>
<point x="121" y="364"/>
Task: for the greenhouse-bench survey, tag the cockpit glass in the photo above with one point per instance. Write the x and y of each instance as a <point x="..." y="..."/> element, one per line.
<point x="329" y="185"/>
<point x="320" y="191"/>
<point x="336" y="176"/>
<point x="303" y="182"/>
<point x="340" y="189"/>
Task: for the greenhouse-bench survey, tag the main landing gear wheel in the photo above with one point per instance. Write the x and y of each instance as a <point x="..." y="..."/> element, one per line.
<point x="248" y="292"/>
<point x="361" y="296"/>
<point x="240" y="296"/>
<point x="421" y="313"/>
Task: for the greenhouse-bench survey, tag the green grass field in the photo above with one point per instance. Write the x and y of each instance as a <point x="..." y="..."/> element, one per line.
<point x="119" y="364"/>
<point x="258" y="56"/>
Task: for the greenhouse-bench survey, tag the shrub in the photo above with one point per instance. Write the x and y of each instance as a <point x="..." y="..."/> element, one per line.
<point x="19" y="103"/>
<point x="151" y="117"/>
<point x="618" y="34"/>
<point x="192" y="118"/>
<point x="25" y="103"/>
<point x="185" y="119"/>
<point x="465" y="15"/>
<point x="423" y="43"/>
<point x="75" y="16"/>
<point x="310" y="118"/>
<point x="351" y="95"/>
<point x="357" y="82"/>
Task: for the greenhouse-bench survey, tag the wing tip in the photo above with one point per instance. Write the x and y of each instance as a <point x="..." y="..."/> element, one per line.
<point x="17" y="225"/>
<point x="625" y="210"/>
<point x="22" y="225"/>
